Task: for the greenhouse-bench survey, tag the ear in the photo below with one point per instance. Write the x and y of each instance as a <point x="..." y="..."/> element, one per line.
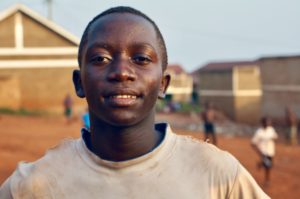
<point x="164" y="85"/>
<point x="77" y="84"/>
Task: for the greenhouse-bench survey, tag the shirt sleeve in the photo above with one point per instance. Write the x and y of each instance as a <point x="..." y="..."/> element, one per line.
<point x="5" y="192"/>
<point x="18" y="185"/>
<point x="246" y="187"/>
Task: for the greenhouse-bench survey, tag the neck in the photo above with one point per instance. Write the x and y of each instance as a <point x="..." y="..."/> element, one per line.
<point x="119" y="143"/>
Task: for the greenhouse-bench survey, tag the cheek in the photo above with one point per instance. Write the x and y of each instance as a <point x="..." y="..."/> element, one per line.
<point x="92" y="86"/>
<point x="91" y="78"/>
<point x="154" y="85"/>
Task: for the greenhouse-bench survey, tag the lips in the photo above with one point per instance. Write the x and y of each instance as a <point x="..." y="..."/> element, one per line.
<point x="121" y="99"/>
<point x="123" y="96"/>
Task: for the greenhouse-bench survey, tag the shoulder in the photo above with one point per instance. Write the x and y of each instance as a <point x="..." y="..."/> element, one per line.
<point x="245" y="186"/>
<point x="204" y="148"/>
<point x="32" y="180"/>
<point x="56" y="156"/>
<point x="220" y="168"/>
<point x="207" y="156"/>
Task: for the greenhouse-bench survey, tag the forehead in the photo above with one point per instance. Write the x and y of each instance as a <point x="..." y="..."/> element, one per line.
<point x="122" y="28"/>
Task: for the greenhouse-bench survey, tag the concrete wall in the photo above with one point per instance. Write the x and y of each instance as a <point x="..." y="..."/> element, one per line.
<point x="247" y="99"/>
<point x="275" y="102"/>
<point x="10" y="96"/>
<point x="281" y="86"/>
<point x="215" y="80"/>
<point x="43" y="88"/>
<point x="236" y="92"/>
<point x="248" y="78"/>
<point x="223" y="103"/>
<point x="181" y="87"/>
<point x="210" y="88"/>
<point x="278" y="71"/>
<point x="181" y="97"/>
<point x="247" y="109"/>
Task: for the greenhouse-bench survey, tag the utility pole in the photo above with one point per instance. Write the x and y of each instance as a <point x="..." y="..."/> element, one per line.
<point x="49" y="5"/>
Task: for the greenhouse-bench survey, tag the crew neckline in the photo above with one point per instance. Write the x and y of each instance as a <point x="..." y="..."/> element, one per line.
<point x="157" y="154"/>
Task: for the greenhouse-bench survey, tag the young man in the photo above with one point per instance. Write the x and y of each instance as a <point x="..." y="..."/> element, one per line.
<point x="122" y="60"/>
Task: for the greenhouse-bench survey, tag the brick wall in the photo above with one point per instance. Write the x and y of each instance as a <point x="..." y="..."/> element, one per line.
<point x="7" y="28"/>
<point x="44" y="88"/>
<point x="281" y="86"/>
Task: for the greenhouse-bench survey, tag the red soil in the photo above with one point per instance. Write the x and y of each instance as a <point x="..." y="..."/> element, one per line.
<point x="27" y="138"/>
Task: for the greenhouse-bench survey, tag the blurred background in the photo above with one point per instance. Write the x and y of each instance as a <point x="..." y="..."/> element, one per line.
<point x="242" y="57"/>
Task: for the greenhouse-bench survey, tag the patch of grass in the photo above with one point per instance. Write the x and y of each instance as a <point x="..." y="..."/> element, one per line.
<point x="182" y="107"/>
<point x="160" y="104"/>
<point x="188" y="107"/>
<point x="21" y="111"/>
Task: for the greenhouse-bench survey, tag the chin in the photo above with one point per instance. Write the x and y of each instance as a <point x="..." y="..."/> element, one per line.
<point x="122" y="120"/>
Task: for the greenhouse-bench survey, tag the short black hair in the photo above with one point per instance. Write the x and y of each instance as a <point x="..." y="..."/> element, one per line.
<point x="266" y="120"/>
<point x="124" y="9"/>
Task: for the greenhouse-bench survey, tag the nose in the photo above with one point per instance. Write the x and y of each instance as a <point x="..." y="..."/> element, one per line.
<point x="121" y="70"/>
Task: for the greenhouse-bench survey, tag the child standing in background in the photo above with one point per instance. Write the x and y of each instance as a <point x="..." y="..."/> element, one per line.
<point x="68" y="104"/>
<point x="264" y="144"/>
<point x="208" y="117"/>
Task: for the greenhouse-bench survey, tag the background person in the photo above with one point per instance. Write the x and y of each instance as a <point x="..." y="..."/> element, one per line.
<point x="263" y="143"/>
<point x="208" y="117"/>
<point x="68" y="108"/>
<point x="292" y="123"/>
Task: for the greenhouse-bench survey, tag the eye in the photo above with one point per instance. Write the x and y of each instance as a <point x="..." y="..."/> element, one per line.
<point x="100" y="59"/>
<point x="141" y="59"/>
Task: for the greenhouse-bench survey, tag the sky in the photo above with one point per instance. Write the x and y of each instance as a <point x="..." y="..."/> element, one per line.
<point x="197" y="32"/>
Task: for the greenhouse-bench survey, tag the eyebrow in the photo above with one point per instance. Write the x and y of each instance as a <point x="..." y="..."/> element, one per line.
<point x="109" y="47"/>
<point x="147" y="45"/>
<point x="99" y="45"/>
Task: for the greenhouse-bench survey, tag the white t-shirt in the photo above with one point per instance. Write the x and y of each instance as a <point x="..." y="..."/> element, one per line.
<point x="180" y="167"/>
<point x="264" y="140"/>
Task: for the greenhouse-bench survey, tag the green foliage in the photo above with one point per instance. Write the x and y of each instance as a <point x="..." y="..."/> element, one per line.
<point x="20" y="111"/>
<point x="160" y="104"/>
<point x="188" y="107"/>
<point x="181" y="107"/>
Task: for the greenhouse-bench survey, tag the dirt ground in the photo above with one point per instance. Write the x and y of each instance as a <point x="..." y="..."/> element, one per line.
<point x="27" y="138"/>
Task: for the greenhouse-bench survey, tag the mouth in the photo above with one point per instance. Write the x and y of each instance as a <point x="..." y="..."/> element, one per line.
<point x="123" y="96"/>
<point x="121" y="99"/>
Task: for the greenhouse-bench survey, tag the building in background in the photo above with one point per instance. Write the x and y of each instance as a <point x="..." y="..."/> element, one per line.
<point x="280" y="77"/>
<point x="181" y="85"/>
<point x="245" y="91"/>
<point x="37" y="58"/>
<point x="233" y="87"/>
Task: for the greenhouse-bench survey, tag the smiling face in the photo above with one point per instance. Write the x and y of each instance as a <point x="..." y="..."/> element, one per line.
<point x="121" y="73"/>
